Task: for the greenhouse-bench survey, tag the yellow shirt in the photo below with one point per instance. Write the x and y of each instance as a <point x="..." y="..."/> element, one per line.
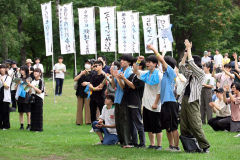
<point x="225" y="61"/>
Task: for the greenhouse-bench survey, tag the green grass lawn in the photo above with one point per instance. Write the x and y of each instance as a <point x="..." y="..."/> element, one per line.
<point x="62" y="139"/>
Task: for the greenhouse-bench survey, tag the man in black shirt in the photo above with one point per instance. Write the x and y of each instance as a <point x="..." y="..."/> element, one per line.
<point x="98" y="90"/>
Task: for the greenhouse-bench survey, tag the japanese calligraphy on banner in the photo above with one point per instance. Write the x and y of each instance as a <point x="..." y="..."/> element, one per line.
<point x="135" y="33"/>
<point x="47" y="23"/>
<point x="149" y="27"/>
<point x="162" y="23"/>
<point x="66" y="29"/>
<point x="108" y="29"/>
<point x="124" y="21"/>
<point x="87" y="30"/>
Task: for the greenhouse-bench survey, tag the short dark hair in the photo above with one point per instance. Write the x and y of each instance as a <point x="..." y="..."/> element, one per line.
<point x="60" y="57"/>
<point x="118" y="64"/>
<point x="170" y="61"/>
<point x="37" y="58"/>
<point x="110" y="96"/>
<point x="143" y="62"/>
<point x="127" y="57"/>
<point x="217" y="50"/>
<point x="208" y="65"/>
<point x="228" y="65"/>
<point x="152" y="59"/>
<point x="103" y="57"/>
<point x="237" y="85"/>
<point x="4" y="66"/>
<point x="209" y="50"/>
<point x="100" y="63"/>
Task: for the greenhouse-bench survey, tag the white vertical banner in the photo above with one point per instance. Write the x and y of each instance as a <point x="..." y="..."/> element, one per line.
<point x="87" y="30"/>
<point x="66" y="29"/>
<point x="162" y="23"/>
<point x="150" y="31"/>
<point x="47" y="23"/>
<point x="108" y="29"/>
<point x="124" y="22"/>
<point x="135" y="33"/>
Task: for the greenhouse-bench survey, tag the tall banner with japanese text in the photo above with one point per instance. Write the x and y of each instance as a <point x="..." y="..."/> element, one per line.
<point x="124" y="23"/>
<point x="163" y="22"/>
<point x="150" y="32"/>
<point x="108" y="29"/>
<point x="66" y="29"/>
<point x="135" y="33"/>
<point x="87" y="31"/>
<point x="47" y="23"/>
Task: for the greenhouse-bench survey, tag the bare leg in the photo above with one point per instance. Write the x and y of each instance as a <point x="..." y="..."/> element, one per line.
<point x="21" y="118"/>
<point x="170" y="138"/>
<point x="159" y="139"/>
<point x="28" y="117"/>
<point x="176" y="138"/>
<point x="100" y="135"/>
<point x="151" y="138"/>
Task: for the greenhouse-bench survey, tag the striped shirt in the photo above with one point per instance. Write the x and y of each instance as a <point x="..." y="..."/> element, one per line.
<point x="196" y="82"/>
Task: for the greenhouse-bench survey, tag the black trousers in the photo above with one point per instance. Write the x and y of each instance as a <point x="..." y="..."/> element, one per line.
<point x="14" y="102"/>
<point x="4" y="115"/>
<point x="93" y="108"/>
<point x="213" y="122"/>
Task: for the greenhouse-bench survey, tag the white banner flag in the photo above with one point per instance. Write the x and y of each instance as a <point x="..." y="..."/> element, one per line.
<point x="66" y="29"/>
<point x="135" y="33"/>
<point x="47" y="23"/>
<point x="149" y="27"/>
<point x="108" y="29"/>
<point x="163" y="22"/>
<point x="87" y="30"/>
<point x="124" y="21"/>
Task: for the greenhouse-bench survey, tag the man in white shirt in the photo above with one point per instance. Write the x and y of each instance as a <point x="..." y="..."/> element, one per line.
<point x="205" y="58"/>
<point x="59" y="69"/>
<point x="38" y="65"/>
<point x="218" y="61"/>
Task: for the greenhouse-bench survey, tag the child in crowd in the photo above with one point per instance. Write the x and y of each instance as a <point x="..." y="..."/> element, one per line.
<point x="169" y="108"/>
<point x="5" y="97"/>
<point x="23" y="106"/>
<point x="151" y="99"/>
<point x="221" y="109"/>
<point x="108" y="127"/>
<point x="37" y="90"/>
<point x="59" y="69"/>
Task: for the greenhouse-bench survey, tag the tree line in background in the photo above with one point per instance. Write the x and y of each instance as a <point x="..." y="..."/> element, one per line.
<point x="209" y="24"/>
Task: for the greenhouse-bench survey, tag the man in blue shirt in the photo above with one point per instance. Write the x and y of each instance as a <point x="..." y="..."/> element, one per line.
<point x="169" y="109"/>
<point x="106" y="68"/>
<point x="121" y="118"/>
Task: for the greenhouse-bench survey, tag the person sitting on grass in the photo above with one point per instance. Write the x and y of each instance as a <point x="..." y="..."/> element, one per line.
<point x="232" y="123"/>
<point x="109" y="127"/>
<point x="221" y="109"/>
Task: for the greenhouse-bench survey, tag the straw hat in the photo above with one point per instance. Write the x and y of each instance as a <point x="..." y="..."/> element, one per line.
<point x="28" y="61"/>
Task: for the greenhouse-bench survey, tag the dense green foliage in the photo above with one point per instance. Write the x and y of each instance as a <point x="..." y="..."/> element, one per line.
<point x="210" y="24"/>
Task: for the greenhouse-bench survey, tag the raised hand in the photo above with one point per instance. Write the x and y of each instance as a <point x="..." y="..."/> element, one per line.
<point x="121" y="75"/>
<point x="226" y="88"/>
<point x="83" y="72"/>
<point x="149" y="46"/>
<point x="141" y="58"/>
<point x="188" y="44"/>
<point x="235" y="55"/>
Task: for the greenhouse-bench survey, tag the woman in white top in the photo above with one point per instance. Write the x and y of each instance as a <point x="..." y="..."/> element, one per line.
<point x="221" y="109"/>
<point x="5" y="97"/>
<point x="37" y="90"/>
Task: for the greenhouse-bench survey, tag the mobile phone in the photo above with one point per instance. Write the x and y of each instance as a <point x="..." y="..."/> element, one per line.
<point x="114" y="68"/>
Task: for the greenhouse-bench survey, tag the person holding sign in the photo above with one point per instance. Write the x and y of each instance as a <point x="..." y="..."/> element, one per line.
<point x="206" y="94"/>
<point x="59" y="69"/>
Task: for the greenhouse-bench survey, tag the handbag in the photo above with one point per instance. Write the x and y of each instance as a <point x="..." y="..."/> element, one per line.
<point x="75" y="85"/>
<point x="190" y="144"/>
<point x="31" y="99"/>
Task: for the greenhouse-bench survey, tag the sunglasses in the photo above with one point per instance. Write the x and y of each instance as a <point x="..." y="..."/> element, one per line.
<point x="95" y="66"/>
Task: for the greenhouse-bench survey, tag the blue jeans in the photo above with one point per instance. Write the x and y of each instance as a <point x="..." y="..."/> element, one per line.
<point x="109" y="139"/>
<point x="59" y="84"/>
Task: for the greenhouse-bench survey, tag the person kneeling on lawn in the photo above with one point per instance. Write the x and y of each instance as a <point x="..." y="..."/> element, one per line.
<point x="109" y="128"/>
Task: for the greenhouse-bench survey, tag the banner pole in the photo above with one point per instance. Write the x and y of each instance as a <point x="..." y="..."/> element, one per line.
<point x="53" y="78"/>
<point x="115" y="33"/>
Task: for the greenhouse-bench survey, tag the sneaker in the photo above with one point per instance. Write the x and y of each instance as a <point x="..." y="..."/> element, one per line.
<point x="170" y="148"/>
<point x="205" y="150"/>
<point x="237" y="135"/>
<point x="28" y="128"/>
<point x="78" y="124"/>
<point x="128" y="146"/>
<point x="159" y="148"/>
<point x="56" y="95"/>
<point x="99" y="143"/>
<point x="4" y="129"/>
<point x="177" y="149"/>
<point x="226" y="130"/>
<point x="141" y="146"/>
<point x="151" y="147"/>
<point x="60" y="95"/>
<point x="92" y="130"/>
<point x="21" y="128"/>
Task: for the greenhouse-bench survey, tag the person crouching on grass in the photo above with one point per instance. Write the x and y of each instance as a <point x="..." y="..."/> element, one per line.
<point x="109" y="127"/>
<point x="5" y="97"/>
<point x="37" y="90"/>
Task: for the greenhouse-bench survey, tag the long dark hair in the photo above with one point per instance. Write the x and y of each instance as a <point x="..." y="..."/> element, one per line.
<point x="4" y="66"/>
<point x="26" y="69"/>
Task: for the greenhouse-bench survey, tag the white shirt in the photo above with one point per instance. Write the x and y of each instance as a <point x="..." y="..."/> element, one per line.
<point x="218" y="60"/>
<point x="150" y="93"/>
<point x="180" y="84"/>
<point x="238" y="64"/>
<point x="208" y="77"/>
<point x="36" y="84"/>
<point x="109" y="117"/>
<point x="205" y="59"/>
<point x="224" y="109"/>
<point x="40" y="66"/>
<point x="13" y="75"/>
<point x="7" y="93"/>
<point x="61" y="68"/>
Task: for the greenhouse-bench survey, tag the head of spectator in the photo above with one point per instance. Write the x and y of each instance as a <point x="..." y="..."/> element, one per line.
<point x="37" y="73"/>
<point x="116" y="63"/>
<point x="60" y="59"/>
<point x="235" y="87"/>
<point x="8" y="63"/>
<point x="228" y="67"/>
<point x="209" y="52"/>
<point x="207" y="68"/>
<point x="126" y="60"/>
<point x="3" y="69"/>
<point x="29" y="62"/>
<point x="205" y="54"/>
<point x="24" y="70"/>
<point x="226" y="55"/>
<point x="88" y="64"/>
<point x="219" y="93"/>
<point x="103" y="59"/>
<point x="170" y="61"/>
<point x="239" y="58"/>
<point x="142" y="65"/>
<point x="37" y="60"/>
<point x="14" y="64"/>
<point x="109" y="99"/>
<point x="217" y="51"/>
<point x="98" y="65"/>
<point x="197" y="60"/>
<point x="151" y="62"/>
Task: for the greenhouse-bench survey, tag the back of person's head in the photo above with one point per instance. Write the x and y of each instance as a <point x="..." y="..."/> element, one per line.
<point x="26" y="69"/>
<point x="127" y="57"/>
<point x="228" y="65"/>
<point x="100" y="63"/>
<point x="197" y="60"/>
<point x="116" y="63"/>
<point x="170" y="61"/>
<point x="152" y="59"/>
<point x="143" y="62"/>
